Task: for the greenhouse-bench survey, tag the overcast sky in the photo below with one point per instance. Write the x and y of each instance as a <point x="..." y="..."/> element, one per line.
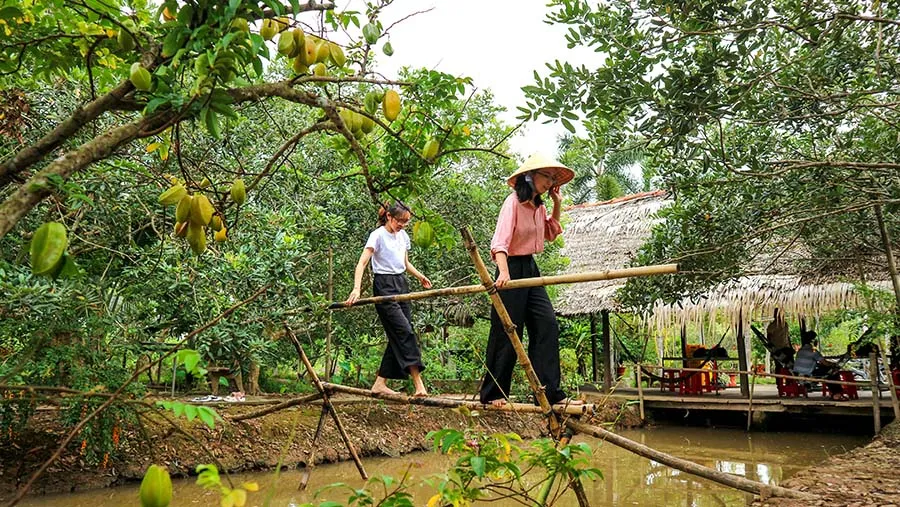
<point x="498" y="43"/>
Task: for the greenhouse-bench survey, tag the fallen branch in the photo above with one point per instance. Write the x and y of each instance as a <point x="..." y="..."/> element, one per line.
<point x="275" y="408"/>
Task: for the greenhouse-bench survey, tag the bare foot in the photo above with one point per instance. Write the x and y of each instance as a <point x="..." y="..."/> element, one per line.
<point x="383" y="390"/>
<point x="420" y="394"/>
<point x="498" y="403"/>
<point x="570" y="402"/>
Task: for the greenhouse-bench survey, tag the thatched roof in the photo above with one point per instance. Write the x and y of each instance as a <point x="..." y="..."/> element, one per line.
<point x="603" y="236"/>
<point x="608" y="235"/>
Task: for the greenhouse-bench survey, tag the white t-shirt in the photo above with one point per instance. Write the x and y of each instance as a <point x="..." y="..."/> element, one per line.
<point x="389" y="257"/>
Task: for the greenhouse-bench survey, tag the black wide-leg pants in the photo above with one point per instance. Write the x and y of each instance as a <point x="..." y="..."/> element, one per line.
<point x="530" y="309"/>
<point x="402" y="350"/>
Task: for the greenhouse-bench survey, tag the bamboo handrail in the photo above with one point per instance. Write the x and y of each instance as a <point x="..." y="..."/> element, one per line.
<point x="592" y="276"/>
<point x="773" y="375"/>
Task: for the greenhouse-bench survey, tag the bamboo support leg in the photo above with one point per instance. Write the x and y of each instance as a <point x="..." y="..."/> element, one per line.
<point x="511" y="332"/>
<point x="327" y="402"/>
<point x="730" y="480"/>
<point x="876" y="392"/>
<point x="313" y="445"/>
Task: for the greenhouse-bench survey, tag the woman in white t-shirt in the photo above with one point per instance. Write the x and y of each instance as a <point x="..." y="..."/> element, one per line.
<point x="388" y="248"/>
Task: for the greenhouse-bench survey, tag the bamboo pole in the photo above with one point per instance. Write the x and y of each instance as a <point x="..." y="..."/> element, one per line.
<point x="893" y="388"/>
<point x="686" y="466"/>
<point x="327" y="402"/>
<point x="521" y="283"/>
<point x="528" y="408"/>
<point x="876" y="392"/>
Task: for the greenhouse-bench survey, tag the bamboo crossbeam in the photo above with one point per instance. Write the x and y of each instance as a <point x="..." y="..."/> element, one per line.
<point x="592" y="276"/>
<point x="818" y="380"/>
<point x="433" y="401"/>
<point x="734" y="481"/>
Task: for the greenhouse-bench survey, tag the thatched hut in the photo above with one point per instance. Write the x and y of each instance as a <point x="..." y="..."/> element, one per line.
<point x="608" y="235"/>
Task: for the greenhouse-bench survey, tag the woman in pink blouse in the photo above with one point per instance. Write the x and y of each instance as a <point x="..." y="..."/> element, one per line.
<point x="522" y="228"/>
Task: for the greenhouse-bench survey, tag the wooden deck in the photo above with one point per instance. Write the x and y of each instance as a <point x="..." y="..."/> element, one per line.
<point x="765" y="399"/>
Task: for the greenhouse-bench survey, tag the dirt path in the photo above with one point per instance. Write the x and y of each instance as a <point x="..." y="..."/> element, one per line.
<point x="868" y="475"/>
<point x="375" y="428"/>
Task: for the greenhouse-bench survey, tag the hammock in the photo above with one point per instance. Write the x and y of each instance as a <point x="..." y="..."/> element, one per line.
<point x="682" y="376"/>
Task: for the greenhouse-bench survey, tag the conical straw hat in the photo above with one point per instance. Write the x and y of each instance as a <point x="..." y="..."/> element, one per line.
<point x="537" y="161"/>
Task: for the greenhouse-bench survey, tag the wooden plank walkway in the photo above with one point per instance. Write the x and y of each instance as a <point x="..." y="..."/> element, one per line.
<point x="765" y="399"/>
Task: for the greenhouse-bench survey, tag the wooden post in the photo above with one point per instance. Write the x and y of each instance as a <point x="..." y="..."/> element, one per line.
<point x="893" y="388"/>
<point x="593" y="320"/>
<point x="637" y="367"/>
<point x="742" y="356"/>
<point x="330" y="295"/>
<point x="750" y="404"/>
<point x="511" y="332"/>
<point x="876" y="392"/>
<point x="684" y="363"/>
<point x="607" y="351"/>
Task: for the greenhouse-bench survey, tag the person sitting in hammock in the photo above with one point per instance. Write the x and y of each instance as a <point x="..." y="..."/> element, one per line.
<point x="811" y="363"/>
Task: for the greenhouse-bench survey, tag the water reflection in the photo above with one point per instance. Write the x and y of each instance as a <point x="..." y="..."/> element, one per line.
<point x="627" y="479"/>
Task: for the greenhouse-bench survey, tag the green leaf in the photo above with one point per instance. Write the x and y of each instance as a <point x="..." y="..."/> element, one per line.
<point x="190" y="411"/>
<point x="207" y="415"/>
<point x="177" y="408"/>
<point x="212" y="123"/>
<point x="10" y="13"/>
<point x="568" y="125"/>
<point x="478" y="463"/>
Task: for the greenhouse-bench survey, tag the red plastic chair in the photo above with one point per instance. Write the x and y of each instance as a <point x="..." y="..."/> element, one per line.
<point x="670" y="378"/>
<point x="696" y="383"/>
<point x="788" y="387"/>
<point x="850" y="391"/>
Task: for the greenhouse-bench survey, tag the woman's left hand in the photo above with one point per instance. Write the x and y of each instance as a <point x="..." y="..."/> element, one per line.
<point x="554" y="194"/>
<point x="425" y="282"/>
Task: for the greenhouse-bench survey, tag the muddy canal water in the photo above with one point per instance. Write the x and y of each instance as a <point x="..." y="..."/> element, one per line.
<point x="628" y="479"/>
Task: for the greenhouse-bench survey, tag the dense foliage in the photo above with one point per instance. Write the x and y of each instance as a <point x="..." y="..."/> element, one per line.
<point x="773" y="124"/>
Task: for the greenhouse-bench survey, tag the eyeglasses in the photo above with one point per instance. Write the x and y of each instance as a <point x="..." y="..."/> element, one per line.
<point x="551" y="177"/>
<point x="401" y="221"/>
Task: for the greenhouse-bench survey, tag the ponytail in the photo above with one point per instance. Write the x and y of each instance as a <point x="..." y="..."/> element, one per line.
<point x="525" y="191"/>
<point x="394" y="210"/>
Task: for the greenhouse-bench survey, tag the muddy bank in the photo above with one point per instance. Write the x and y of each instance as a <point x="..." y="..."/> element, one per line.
<point x="376" y="428"/>
<point x="868" y="475"/>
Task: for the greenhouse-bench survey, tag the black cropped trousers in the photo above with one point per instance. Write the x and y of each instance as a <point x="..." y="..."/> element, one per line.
<point x="402" y="350"/>
<point x="530" y="309"/>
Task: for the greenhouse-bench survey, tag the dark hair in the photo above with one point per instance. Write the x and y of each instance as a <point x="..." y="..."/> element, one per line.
<point x="394" y="210"/>
<point x="524" y="191"/>
<point x="807" y="337"/>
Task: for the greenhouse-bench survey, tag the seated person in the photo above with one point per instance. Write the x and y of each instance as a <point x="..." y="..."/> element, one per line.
<point x="810" y="363"/>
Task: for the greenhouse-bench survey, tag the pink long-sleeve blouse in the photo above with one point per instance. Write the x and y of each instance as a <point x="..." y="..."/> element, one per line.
<point x="522" y="228"/>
